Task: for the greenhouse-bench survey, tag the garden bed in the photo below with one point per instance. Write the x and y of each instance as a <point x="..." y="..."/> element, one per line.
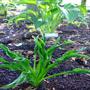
<point x="13" y="38"/>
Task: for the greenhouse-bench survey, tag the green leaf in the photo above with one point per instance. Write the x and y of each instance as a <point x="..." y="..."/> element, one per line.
<point x="7" y="51"/>
<point x="65" y="12"/>
<point x="74" y="71"/>
<point x="83" y="9"/>
<point x="51" y="49"/>
<point x="53" y="1"/>
<point x="30" y="2"/>
<point x="13" y="55"/>
<point x="69" y="54"/>
<point x="68" y="42"/>
<point x="81" y="71"/>
<point x="16" y="82"/>
<point x="73" y="12"/>
<point x="3" y="60"/>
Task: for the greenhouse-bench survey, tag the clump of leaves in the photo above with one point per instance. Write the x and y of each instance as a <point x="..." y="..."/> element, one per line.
<point x="5" y="7"/>
<point x="48" y="14"/>
<point x="35" y="74"/>
<point x="3" y="11"/>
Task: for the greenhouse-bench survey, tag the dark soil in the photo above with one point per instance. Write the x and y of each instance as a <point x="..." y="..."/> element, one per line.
<point x="14" y="38"/>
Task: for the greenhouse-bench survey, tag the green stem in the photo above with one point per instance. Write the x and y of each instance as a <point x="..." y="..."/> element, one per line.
<point x="83" y="2"/>
<point x="34" y="62"/>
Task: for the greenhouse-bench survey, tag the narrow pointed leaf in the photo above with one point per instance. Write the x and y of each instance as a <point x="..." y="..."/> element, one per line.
<point x="16" y="82"/>
<point x="74" y="71"/>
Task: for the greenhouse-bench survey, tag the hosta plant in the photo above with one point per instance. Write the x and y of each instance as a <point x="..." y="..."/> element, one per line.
<point x="35" y="72"/>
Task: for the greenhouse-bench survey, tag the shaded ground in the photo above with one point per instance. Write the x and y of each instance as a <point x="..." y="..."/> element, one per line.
<point x="16" y="38"/>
